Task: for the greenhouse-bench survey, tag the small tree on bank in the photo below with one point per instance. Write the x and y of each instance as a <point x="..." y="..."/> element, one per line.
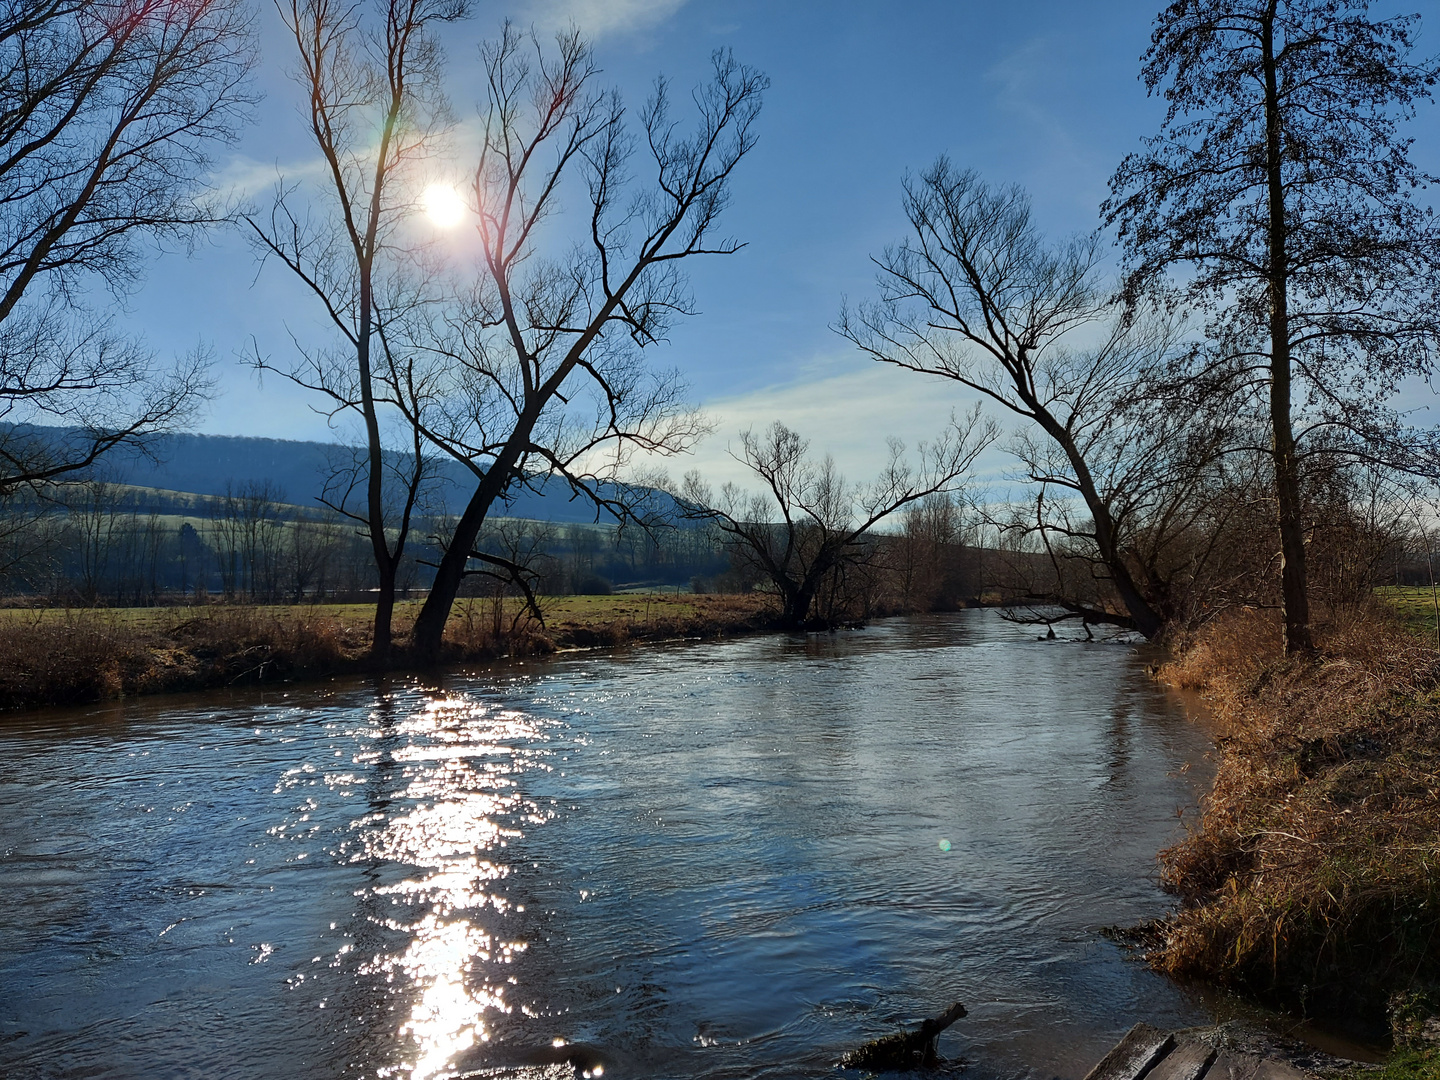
<point x="1280" y="180"/>
<point x="977" y="295"/>
<point x="809" y="524"/>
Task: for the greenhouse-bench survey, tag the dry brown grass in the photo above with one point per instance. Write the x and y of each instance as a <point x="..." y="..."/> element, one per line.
<point x="1314" y="876"/>
<point x="82" y="656"/>
<point x="62" y="662"/>
<point x="478" y="631"/>
<point x="58" y="657"/>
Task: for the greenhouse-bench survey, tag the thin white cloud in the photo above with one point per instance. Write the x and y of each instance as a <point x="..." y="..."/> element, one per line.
<point x="243" y="177"/>
<point x="849" y="416"/>
<point x="1034" y="87"/>
<point x="601" y="18"/>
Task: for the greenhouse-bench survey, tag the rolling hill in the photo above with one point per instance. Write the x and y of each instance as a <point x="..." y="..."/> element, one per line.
<point x="209" y="465"/>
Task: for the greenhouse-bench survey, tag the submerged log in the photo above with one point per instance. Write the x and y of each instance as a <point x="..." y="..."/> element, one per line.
<point x="904" y="1049"/>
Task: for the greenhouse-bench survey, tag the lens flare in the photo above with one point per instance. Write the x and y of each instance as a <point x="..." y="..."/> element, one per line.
<point x="443" y="205"/>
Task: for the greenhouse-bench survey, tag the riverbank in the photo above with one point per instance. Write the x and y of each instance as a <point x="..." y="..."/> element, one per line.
<point x="1313" y="878"/>
<point x="70" y="657"/>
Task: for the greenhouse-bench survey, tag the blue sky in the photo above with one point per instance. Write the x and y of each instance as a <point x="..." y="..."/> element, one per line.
<point x="1041" y="93"/>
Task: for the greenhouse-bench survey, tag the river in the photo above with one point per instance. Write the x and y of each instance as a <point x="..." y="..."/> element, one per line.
<point x="717" y="860"/>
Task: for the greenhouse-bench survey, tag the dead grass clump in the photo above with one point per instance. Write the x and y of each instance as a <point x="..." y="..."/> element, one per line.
<point x="1239" y="640"/>
<point x="235" y="645"/>
<point x="1314" y="876"/>
<point x="95" y="655"/>
<point x="52" y="657"/>
<point x="66" y="661"/>
<point x="483" y="629"/>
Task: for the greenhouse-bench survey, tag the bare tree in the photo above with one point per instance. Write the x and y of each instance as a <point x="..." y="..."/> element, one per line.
<point x="108" y="112"/>
<point x="934" y="566"/>
<point x="32" y="539"/>
<point x="541" y="373"/>
<point x="94" y="514"/>
<point x="371" y="74"/>
<point x="1280" y="179"/>
<point x="808" y="524"/>
<point x="977" y="296"/>
<point x="313" y="541"/>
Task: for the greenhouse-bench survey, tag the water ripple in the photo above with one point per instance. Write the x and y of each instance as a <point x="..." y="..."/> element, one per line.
<point x="715" y="861"/>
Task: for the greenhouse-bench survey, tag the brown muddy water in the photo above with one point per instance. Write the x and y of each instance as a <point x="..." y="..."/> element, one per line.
<point x="731" y="860"/>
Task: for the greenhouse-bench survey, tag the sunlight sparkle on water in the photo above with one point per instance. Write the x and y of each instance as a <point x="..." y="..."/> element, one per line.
<point x="459" y="761"/>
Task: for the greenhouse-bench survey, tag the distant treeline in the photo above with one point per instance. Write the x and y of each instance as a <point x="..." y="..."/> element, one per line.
<point x="105" y="543"/>
<point x="102" y="543"/>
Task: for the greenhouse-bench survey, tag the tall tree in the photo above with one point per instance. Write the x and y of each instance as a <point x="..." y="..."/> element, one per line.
<point x="371" y="76"/>
<point x="543" y="374"/>
<point x="109" y="111"/>
<point x="1280" y="180"/>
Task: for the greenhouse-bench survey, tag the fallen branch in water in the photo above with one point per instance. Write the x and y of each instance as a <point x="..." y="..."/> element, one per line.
<point x="904" y="1049"/>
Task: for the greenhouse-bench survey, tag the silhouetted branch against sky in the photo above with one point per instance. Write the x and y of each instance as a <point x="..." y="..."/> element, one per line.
<point x="110" y="114"/>
<point x="1045" y="94"/>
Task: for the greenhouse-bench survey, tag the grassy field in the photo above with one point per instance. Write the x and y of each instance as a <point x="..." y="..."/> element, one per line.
<point x="630" y="608"/>
<point x="57" y="656"/>
<point x="1414" y="605"/>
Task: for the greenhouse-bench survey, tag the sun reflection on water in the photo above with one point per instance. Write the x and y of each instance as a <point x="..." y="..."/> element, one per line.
<point x="458" y="764"/>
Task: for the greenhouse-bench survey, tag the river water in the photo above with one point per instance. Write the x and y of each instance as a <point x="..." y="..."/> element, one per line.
<point x="731" y="860"/>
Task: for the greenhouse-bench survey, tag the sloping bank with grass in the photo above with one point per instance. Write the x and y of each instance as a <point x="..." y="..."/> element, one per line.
<point x="1313" y="878"/>
<point x="73" y="657"/>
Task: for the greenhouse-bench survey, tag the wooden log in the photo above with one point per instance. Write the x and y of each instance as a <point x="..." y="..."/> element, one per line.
<point x="1187" y="1061"/>
<point x="1231" y="1065"/>
<point x="904" y="1049"/>
<point x="1134" y="1055"/>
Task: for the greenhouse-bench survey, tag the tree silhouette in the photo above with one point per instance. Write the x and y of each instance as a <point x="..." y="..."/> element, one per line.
<point x="1280" y="181"/>
<point x="539" y="371"/>
<point x="109" y="110"/>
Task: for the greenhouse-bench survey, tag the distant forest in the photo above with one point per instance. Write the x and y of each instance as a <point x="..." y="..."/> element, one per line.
<point x="200" y="518"/>
<point x="195" y="517"/>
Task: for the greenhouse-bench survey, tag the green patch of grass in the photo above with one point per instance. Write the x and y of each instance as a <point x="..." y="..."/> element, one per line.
<point x="1404" y="1065"/>
<point x="1413" y="605"/>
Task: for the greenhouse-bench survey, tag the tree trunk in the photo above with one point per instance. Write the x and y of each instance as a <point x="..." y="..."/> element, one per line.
<point x="1146" y="619"/>
<point x="435" y="613"/>
<point x="374" y="493"/>
<point x="384" y="613"/>
<point x="1293" y="585"/>
<point x="796" y="606"/>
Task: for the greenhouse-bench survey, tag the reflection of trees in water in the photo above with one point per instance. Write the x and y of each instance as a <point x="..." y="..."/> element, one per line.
<point x="358" y="1022"/>
<point x="1118" y="734"/>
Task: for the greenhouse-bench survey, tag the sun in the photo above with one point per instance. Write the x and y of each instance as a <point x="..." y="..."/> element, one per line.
<point x="443" y="205"/>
